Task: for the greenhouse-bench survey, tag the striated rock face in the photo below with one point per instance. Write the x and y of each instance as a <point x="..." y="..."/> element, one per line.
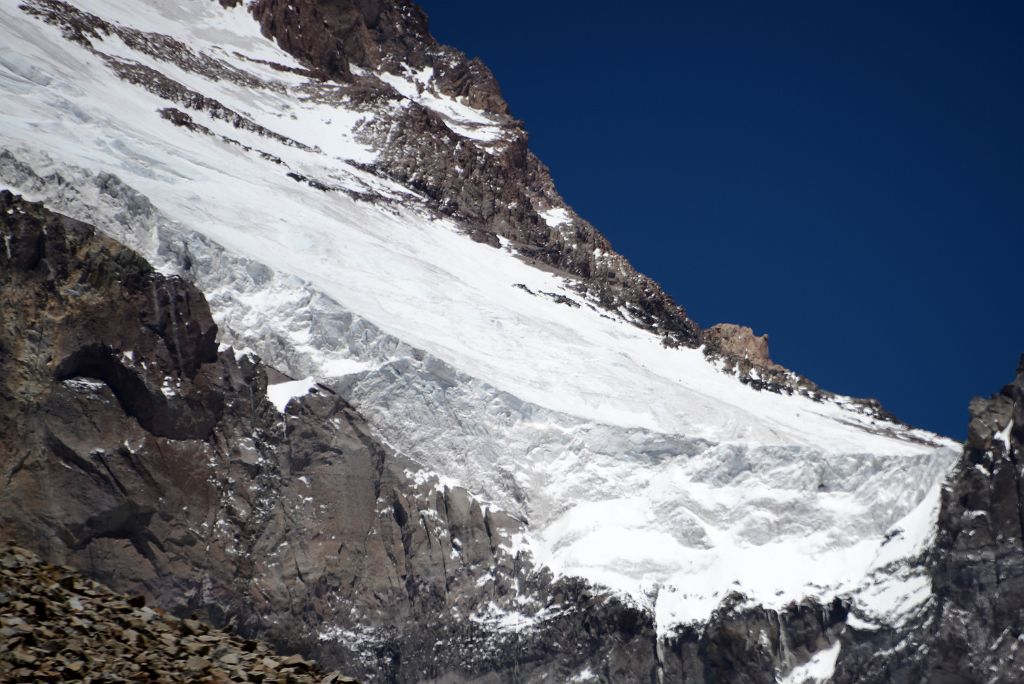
<point x="753" y="645"/>
<point x="978" y="566"/>
<point x="54" y="261"/>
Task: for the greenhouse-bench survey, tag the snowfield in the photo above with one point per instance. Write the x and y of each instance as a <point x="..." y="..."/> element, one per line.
<point x="644" y="468"/>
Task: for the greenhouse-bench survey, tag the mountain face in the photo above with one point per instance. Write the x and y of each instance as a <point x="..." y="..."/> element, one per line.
<point x="136" y="451"/>
<point x="298" y="336"/>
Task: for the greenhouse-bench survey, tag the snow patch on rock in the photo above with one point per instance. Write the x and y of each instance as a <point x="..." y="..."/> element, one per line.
<point x="283" y="392"/>
<point x="818" y="670"/>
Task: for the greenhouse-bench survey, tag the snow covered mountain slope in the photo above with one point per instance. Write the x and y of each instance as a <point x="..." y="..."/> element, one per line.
<point x="637" y="464"/>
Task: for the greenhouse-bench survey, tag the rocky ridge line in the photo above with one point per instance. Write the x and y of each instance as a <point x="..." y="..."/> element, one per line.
<point x="493" y="188"/>
<point x="498" y="188"/>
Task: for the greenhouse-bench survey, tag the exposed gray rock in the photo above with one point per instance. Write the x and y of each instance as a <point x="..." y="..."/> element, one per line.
<point x="974" y="627"/>
<point x="752" y="645"/>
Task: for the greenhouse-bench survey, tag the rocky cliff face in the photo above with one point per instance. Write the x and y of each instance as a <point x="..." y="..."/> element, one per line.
<point x="978" y="564"/>
<point x="974" y="625"/>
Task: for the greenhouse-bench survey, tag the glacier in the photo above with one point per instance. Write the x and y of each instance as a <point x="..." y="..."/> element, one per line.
<point x="648" y="469"/>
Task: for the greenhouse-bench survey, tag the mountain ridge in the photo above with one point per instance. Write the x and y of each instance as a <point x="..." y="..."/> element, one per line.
<point x="540" y="472"/>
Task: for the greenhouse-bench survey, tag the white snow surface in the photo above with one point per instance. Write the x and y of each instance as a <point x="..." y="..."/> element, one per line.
<point x="817" y="670"/>
<point x="457" y="116"/>
<point x="283" y="392"/>
<point x="555" y="217"/>
<point x="640" y="467"/>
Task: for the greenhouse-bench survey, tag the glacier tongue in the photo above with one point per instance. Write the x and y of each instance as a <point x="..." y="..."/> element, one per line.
<point x="638" y="466"/>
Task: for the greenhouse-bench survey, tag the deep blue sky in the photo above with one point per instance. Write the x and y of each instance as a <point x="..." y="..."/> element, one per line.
<point x="845" y="176"/>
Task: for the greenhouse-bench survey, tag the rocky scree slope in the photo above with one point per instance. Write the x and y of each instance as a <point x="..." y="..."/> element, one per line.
<point x="60" y="626"/>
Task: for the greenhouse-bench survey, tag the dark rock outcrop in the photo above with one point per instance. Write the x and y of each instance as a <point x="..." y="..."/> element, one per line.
<point x="974" y="626"/>
<point x="752" y="645"/>
<point x="332" y="35"/>
<point x="746" y="355"/>
<point x="739" y="342"/>
<point x="978" y="566"/>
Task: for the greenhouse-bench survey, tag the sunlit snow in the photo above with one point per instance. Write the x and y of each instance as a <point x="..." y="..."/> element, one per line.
<point x="817" y="670"/>
<point x="283" y="392"/>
